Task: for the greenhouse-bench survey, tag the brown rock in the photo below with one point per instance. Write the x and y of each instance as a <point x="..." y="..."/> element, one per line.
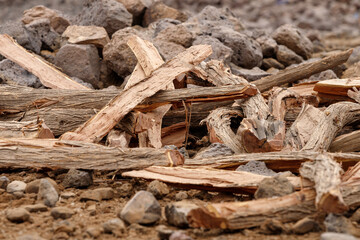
<point x="177" y="34"/>
<point x="274" y="187"/>
<point x="176" y="213"/>
<point x="61" y="212"/>
<point x="220" y="51"/>
<point x="136" y="8"/>
<point x="87" y="35"/>
<point x="304" y="225"/>
<point x="77" y="179"/>
<point x="268" y="46"/>
<point x="158" y="189"/>
<point x="115" y="226"/>
<point x="17" y="215"/>
<point x="33" y="186"/>
<point x="287" y="57"/>
<point x="36" y="208"/>
<point x="291" y="37"/>
<point x="159" y="10"/>
<point x="81" y="61"/>
<point x="57" y="22"/>
<point x="106" y="193"/>
<point x="90" y="195"/>
<point x="94" y="231"/>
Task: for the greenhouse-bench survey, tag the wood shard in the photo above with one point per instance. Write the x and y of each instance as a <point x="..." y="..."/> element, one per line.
<point x="31" y="129"/>
<point x="49" y="76"/>
<point x="337" y="86"/>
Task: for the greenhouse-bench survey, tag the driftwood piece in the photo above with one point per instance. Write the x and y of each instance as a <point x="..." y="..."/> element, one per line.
<point x="336" y="116"/>
<point x="325" y="173"/>
<point x="49" y="76"/>
<point x="277" y="161"/>
<point x="254" y="107"/>
<point x="289" y="208"/>
<point x="220" y="180"/>
<point x="277" y="102"/>
<point x="55" y="154"/>
<point x="303" y="127"/>
<point x="346" y="143"/>
<point x="99" y="125"/>
<point x="337" y="86"/>
<point x="354" y="94"/>
<point x="32" y="129"/>
<point x="302" y="71"/>
<point x="174" y="134"/>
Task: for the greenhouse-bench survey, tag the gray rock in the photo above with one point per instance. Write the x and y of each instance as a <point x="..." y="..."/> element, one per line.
<point x="159" y="10"/>
<point x="12" y="73"/>
<point x="32" y="236"/>
<point x="158" y="189"/>
<point x="291" y="37"/>
<point x="21" y="35"/>
<point x="247" y="52"/>
<point x="86" y="84"/>
<point x="125" y="190"/>
<point x="136" y="8"/>
<point x="178" y="235"/>
<point x="17" y="215"/>
<point x="33" y="186"/>
<point x="142" y="208"/>
<point x="36" y="208"/>
<point x="176" y="213"/>
<point x="336" y="236"/>
<point x="215" y="150"/>
<point x="44" y="33"/>
<point x="268" y="63"/>
<point x="249" y="74"/>
<point x="167" y="49"/>
<point x="77" y="179"/>
<point x="325" y="75"/>
<point x="339" y="224"/>
<point x="81" y="61"/>
<point x="110" y="14"/>
<point x="16" y="186"/>
<point x="4" y="181"/>
<point x="117" y="54"/>
<point x="304" y="225"/>
<point x="220" y="51"/>
<point x="256" y="167"/>
<point x="274" y="187"/>
<point x="181" y="196"/>
<point x="162" y="24"/>
<point x="115" y="226"/>
<point x="164" y="232"/>
<point x="268" y="46"/>
<point x="61" y="212"/>
<point x="287" y="57"/>
<point x="178" y="34"/>
<point x="47" y="193"/>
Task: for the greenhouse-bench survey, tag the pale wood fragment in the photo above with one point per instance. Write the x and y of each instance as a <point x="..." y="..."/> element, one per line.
<point x="337" y="86"/>
<point x="86" y="35"/>
<point x="346" y="143"/>
<point x="49" y="76"/>
<point x="31" y="129"/>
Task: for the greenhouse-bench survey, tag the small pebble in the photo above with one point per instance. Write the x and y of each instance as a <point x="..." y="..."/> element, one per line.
<point x="17" y="215"/>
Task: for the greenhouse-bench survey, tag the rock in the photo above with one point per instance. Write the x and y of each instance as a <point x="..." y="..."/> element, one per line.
<point x="80" y="61"/>
<point x="256" y="167"/>
<point x="106" y="193"/>
<point x="77" y="179"/>
<point x="4" y="181"/>
<point x="49" y="39"/>
<point x="57" y="22"/>
<point x="47" y="193"/>
<point x="268" y="63"/>
<point x="249" y="74"/>
<point x="97" y="194"/>
<point x="158" y="189"/>
<point x="142" y="208"/>
<point x="32" y="236"/>
<point x="220" y="51"/>
<point x="36" y="208"/>
<point x="247" y="52"/>
<point x="117" y="54"/>
<point x="356" y="216"/>
<point x="215" y="150"/>
<point x="115" y="226"/>
<point x="168" y="50"/>
<point x="325" y="75"/>
<point x="162" y="24"/>
<point x="136" y="8"/>
<point x="274" y="187"/>
<point x="33" y="186"/>
<point x="67" y="195"/>
<point x="272" y="226"/>
<point x="61" y="212"/>
<point x="177" y="34"/>
<point x="287" y="57"/>
<point x="64" y="226"/>
<point x="125" y="190"/>
<point x="176" y="213"/>
<point x="336" y="236"/>
<point x="339" y="224"/>
<point x="181" y="196"/>
<point x="16" y="186"/>
<point x="304" y="225"/>
<point x="353" y="71"/>
<point x="291" y="37"/>
<point x="268" y="46"/>
<point x="12" y="74"/>
<point x="159" y="10"/>
<point x="354" y="57"/>
<point x="178" y="235"/>
<point x="94" y="231"/>
<point x="87" y="35"/>
<point x="21" y="35"/>
<point x="164" y="232"/>
<point x="17" y="215"/>
<point x="110" y="14"/>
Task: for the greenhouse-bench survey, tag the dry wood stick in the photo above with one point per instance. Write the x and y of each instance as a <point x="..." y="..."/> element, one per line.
<point x="99" y="125"/>
<point x="31" y="129"/>
<point x="346" y="143"/>
<point x="48" y="75"/>
<point x="302" y="71"/>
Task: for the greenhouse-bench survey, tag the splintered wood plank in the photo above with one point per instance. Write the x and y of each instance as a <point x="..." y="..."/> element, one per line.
<point x="49" y="76"/>
<point x="337" y="86"/>
<point x="99" y="125"/>
<point x="346" y="143"/>
<point x="325" y="173"/>
<point x="55" y="154"/>
<point x="220" y="180"/>
<point x="305" y="70"/>
<point x="31" y="129"/>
